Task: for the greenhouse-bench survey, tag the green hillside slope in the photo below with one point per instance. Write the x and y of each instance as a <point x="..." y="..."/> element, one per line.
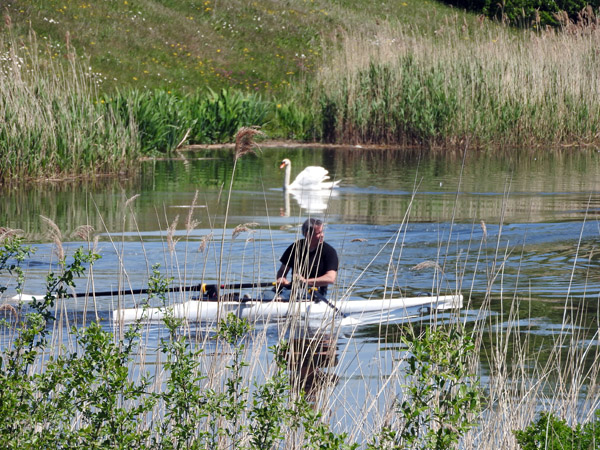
<point x="255" y="45"/>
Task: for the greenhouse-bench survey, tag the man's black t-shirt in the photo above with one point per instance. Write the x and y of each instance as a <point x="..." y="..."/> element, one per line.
<point x="310" y="264"/>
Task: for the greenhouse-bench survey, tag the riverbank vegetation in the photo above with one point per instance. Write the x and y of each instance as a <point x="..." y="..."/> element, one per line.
<point x="454" y="383"/>
<point x="426" y="75"/>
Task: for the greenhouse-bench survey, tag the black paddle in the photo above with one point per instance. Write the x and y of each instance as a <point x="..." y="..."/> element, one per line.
<point x="321" y="298"/>
<point x="203" y="287"/>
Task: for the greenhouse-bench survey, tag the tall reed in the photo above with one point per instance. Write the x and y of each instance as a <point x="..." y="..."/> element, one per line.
<point x="167" y="120"/>
<point x="467" y="80"/>
<point x="52" y="122"/>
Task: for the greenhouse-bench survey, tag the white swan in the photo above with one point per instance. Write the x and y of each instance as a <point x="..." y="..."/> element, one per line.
<point x="312" y="178"/>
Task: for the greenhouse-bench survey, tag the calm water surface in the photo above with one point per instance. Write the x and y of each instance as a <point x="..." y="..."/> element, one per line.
<point x="529" y="219"/>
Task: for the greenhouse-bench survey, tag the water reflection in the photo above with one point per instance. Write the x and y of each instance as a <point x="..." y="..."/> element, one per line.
<point x="310" y="360"/>
<point x="309" y="202"/>
<point x="378" y="187"/>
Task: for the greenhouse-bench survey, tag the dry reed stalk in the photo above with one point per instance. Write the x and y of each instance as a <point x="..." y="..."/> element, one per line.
<point x="171" y="241"/>
<point x="130" y="200"/>
<point x="84" y="232"/>
<point x="426" y="265"/>
<point x="204" y="242"/>
<point x="7" y="233"/>
<point x="243" y="228"/>
<point x="190" y="223"/>
<point x="55" y="236"/>
<point x="244" y="141"/>
<point x="244" y="144"/>
<point x="484" y="229"/>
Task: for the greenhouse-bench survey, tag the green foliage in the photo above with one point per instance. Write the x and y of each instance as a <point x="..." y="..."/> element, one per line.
<point x="294" y="122"/>
<point x="165" y="120"/>
<point x="93" y="384"/>
<point x="439" y="404"/>
<point x="12" y="253"/>
<point x="221" y="114"/>
<point x="159" y="117"/>
<point x="93" y="395"/>
<point x="54" y="124"/>
<point x="406" y="103"/>
<point x="269" y="411"/>
<point x="23" y="416"/>
<point x="527" y="12"/>
<point x="552" y="433"/>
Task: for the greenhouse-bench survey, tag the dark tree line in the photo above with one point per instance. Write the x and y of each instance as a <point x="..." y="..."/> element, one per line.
<point x="534" y="12"/>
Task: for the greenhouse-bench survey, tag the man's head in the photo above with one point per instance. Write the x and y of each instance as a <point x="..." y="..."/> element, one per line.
<point x="312" y="230"/>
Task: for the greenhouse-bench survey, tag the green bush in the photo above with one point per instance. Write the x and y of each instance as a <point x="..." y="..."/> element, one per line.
<point x="552" y="433"/>
<point x="441" y="399"/>
<point x="92" y="394"/>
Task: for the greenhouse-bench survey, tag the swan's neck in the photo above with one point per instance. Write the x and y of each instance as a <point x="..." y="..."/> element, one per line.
<point x="286" y="178"/>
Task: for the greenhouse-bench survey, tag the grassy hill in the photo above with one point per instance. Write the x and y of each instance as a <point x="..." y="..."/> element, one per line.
<point x="187" y="44"/>
<point x="89" y="87"/>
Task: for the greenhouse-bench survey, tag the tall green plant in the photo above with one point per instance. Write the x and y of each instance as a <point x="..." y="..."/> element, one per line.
<point x="52" y="122"/>
<point x="440" y="401"/>
<point x="163" y="119"/>
<point x="220" y="114"/>
<point x="552" y="433"/>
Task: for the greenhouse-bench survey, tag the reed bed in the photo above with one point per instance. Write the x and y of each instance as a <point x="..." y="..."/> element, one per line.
<point x="58" y="125"/>
<point x="53" y="124"/>
<point x="467" y="80"/>
<point x="166" y="120"/>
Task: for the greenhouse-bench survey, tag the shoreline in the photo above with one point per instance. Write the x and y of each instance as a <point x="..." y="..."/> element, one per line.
<point x="276" y="143"/>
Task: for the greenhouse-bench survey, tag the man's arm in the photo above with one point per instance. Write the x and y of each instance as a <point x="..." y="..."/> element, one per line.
<point x="324" y="280"/>
<point x="282" y="273"/>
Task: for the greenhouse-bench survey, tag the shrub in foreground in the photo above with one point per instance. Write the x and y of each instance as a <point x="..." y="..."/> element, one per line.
<point x="551" y="432"/>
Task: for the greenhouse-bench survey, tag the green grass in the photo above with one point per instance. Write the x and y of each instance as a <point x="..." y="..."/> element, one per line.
<point x="53" y="123"/>
<point x="185" y="45"/>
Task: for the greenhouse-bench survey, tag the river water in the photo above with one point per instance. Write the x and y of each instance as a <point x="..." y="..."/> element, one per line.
<point x="509" y="231"/>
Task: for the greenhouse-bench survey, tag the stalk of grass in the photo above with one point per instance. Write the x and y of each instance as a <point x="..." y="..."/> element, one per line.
<point x="244" y="144"/>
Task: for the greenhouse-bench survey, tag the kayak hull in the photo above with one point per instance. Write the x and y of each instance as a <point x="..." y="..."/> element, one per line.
<point x="203" y="310"/>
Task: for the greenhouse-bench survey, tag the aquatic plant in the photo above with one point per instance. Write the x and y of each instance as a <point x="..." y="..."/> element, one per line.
<point x="551" y="432"/>
<point x="467" y="81"/>
<point x="53" y="124"/>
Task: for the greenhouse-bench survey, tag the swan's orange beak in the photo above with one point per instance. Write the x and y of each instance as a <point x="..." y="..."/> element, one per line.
<point x="282" y="165"/>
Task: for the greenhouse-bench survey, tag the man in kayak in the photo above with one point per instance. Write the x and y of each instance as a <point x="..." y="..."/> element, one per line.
<point x="311" y="260"/>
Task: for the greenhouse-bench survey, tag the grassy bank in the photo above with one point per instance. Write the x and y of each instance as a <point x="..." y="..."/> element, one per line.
<point x="255" y="46"/>
<point x="143" y="79"/>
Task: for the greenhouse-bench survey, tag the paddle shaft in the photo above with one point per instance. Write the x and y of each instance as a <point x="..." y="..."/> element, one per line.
<point x="194" y="288"/>
<point x="321" y="298"/>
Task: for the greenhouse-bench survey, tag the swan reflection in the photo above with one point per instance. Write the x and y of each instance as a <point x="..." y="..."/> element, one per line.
<point x="311" y="202"/>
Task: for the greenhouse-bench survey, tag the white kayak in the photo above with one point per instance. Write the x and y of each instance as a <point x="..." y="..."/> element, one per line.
<point x="209" y="310"/>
